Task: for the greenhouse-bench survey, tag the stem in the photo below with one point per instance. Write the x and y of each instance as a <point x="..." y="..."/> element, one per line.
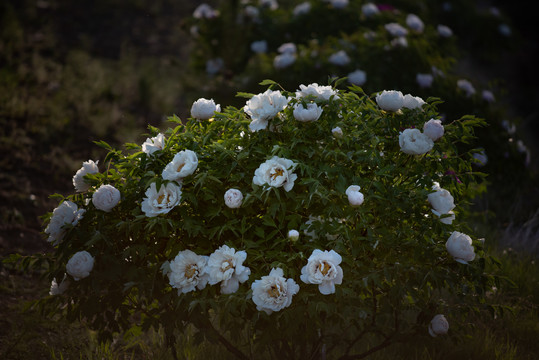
<point x="231" y="348"/>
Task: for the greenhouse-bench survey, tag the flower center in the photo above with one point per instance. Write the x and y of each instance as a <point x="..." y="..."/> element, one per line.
<point x="190" y="271"/>
<point x="180" y="167"/>
<point x="278" y="172"/>
<point x="274" y="291"/>
<point x="160" y="198"/>
<point x="227" y="265"/>
<point x="324" y="268"/>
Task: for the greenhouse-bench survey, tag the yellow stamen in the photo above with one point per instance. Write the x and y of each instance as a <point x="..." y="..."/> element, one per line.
<point x="160" y="199"/>
<point x="278" y="172"/>
<point x="273" y="291"/>
<point x="190" y="271"/>
<point x="180" y="167"/>
<point x="324" y="268"/>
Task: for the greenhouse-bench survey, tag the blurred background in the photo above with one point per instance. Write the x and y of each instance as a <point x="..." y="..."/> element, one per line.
<point x="76" y="72"/>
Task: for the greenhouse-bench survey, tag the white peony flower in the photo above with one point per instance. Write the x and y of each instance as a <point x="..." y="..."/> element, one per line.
<point x="444" y="31"/>
<point x="414" y="142"/>
<point x="337" y="132"/>
<point x="424" y="80"/>
<point x="438" y="326"/>
<point x="459" y="246"/>
<point x="390" y="100"/>
<point x="413" y="102"/>
<point x="488" y="96"/>
<point x="287" y="48"/>
<point x="88" y="167"/>
<point x="252" y="12"/>
<point x="205" y="11"/>
<point x="59" y="289"/>
<point x="433" y="129"/>
<point x="399" y="41"/>
<point x="188" y="271"/>
<point x="293" y="235"/>
<point x="319" y="92"/>
<point x="284" y="60"/>
<point x="182" y="165"/>
<point x="467" y="86"/>
<point x="151" y="145"/>
<point x="273" y="292"/>
<point x="505" y="30"/>
<point x="355" y="198"/>
<point x="339" y="58"/>
<point x="263" y="107"/>
<point x="415" y="23"/>
<point x="396" y="29"/>
<point x="233" y="198"/>
<point x="441" y="200"/>
<point x="311" y="113"/>
<point x="276" y="172"/>
<point x="259" y="47"/>
<point x="447" y="219"/>
<point x="339" y="4"/>
<point x="271" y="4"/>
<point x="323" y="269"/>
<point x="162" y="201"/>
<point x="225" y="266"/>
<point x="369" y="9"/>
<point x="80" y="265"/>
<point x="106" y="197"/>
<point x="66" y="213"/>
<point x="302" y="9"/>
<point x="358" y="77"/>
<point x="480" y="158"/>
<point x="204" y="109"/>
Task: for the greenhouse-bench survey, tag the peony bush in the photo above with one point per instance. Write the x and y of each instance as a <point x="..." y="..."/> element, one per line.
<point x="260" y="237"/>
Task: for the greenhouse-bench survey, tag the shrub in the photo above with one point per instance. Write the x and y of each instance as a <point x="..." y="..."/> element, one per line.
<point x="328" y="239"/>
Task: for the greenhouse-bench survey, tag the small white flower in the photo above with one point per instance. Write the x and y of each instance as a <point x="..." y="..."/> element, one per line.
<point x="337" y="132"/>
<point x="311" y="113"/>
<point x="339" y="58"/>
<point x="444" y="31"/>
<point x="467" y="86"/>
<point x="88" y="167"/>
<point x="302" y="9"/>
<point x="225" y="266"/>
<point x="233" y="198"/>
<point x="415" y="23"/>
<point x="188" y="271"/>
<point x="162" y="201"/>
<point x="80" y="265"/>
<point x="414" y="142"/>
<point x="433" y="129"/>
<point x="276" y="172"/>
<point x="390" y="100"/>
<point x="293" y="235"/>
<point x="151" y="145"/>
<point x="396" y="29"/>
<point x="263" y="107"/>
<point x="205" y="11"/>
<point x="438" y="326"/>
<point x="273" y="292"/>
<point x="252" y="12"/>
<point x="355" y="197"/>
<point x="358" y="77"/>
<point x="446" y="219"/>
<point x="321" y="93"/>
<point x="284" y="60"/>
<point x="259" y="47"/>
<point x="400" y="41"/>
<point x="59" y="289"/>
<point x="424" y="80"/>
<point x="182" y="165"/>
<point x="213" y="66"/>
<point x="369" y="9"/>
<point x="505" y="30"/>
<point x="66" y="213"/>
<point x="106" y="197"/>
<point x="459" y="246"/>
<point x="204" y="109"/>
<point x="323" y="269"/>
<point x="441" y="200"/>
<point x="271" y="4"/>
<point x="413" y="102"/>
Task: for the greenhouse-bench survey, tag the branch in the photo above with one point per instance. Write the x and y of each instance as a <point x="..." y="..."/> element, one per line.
<point x="234" y="350"/>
